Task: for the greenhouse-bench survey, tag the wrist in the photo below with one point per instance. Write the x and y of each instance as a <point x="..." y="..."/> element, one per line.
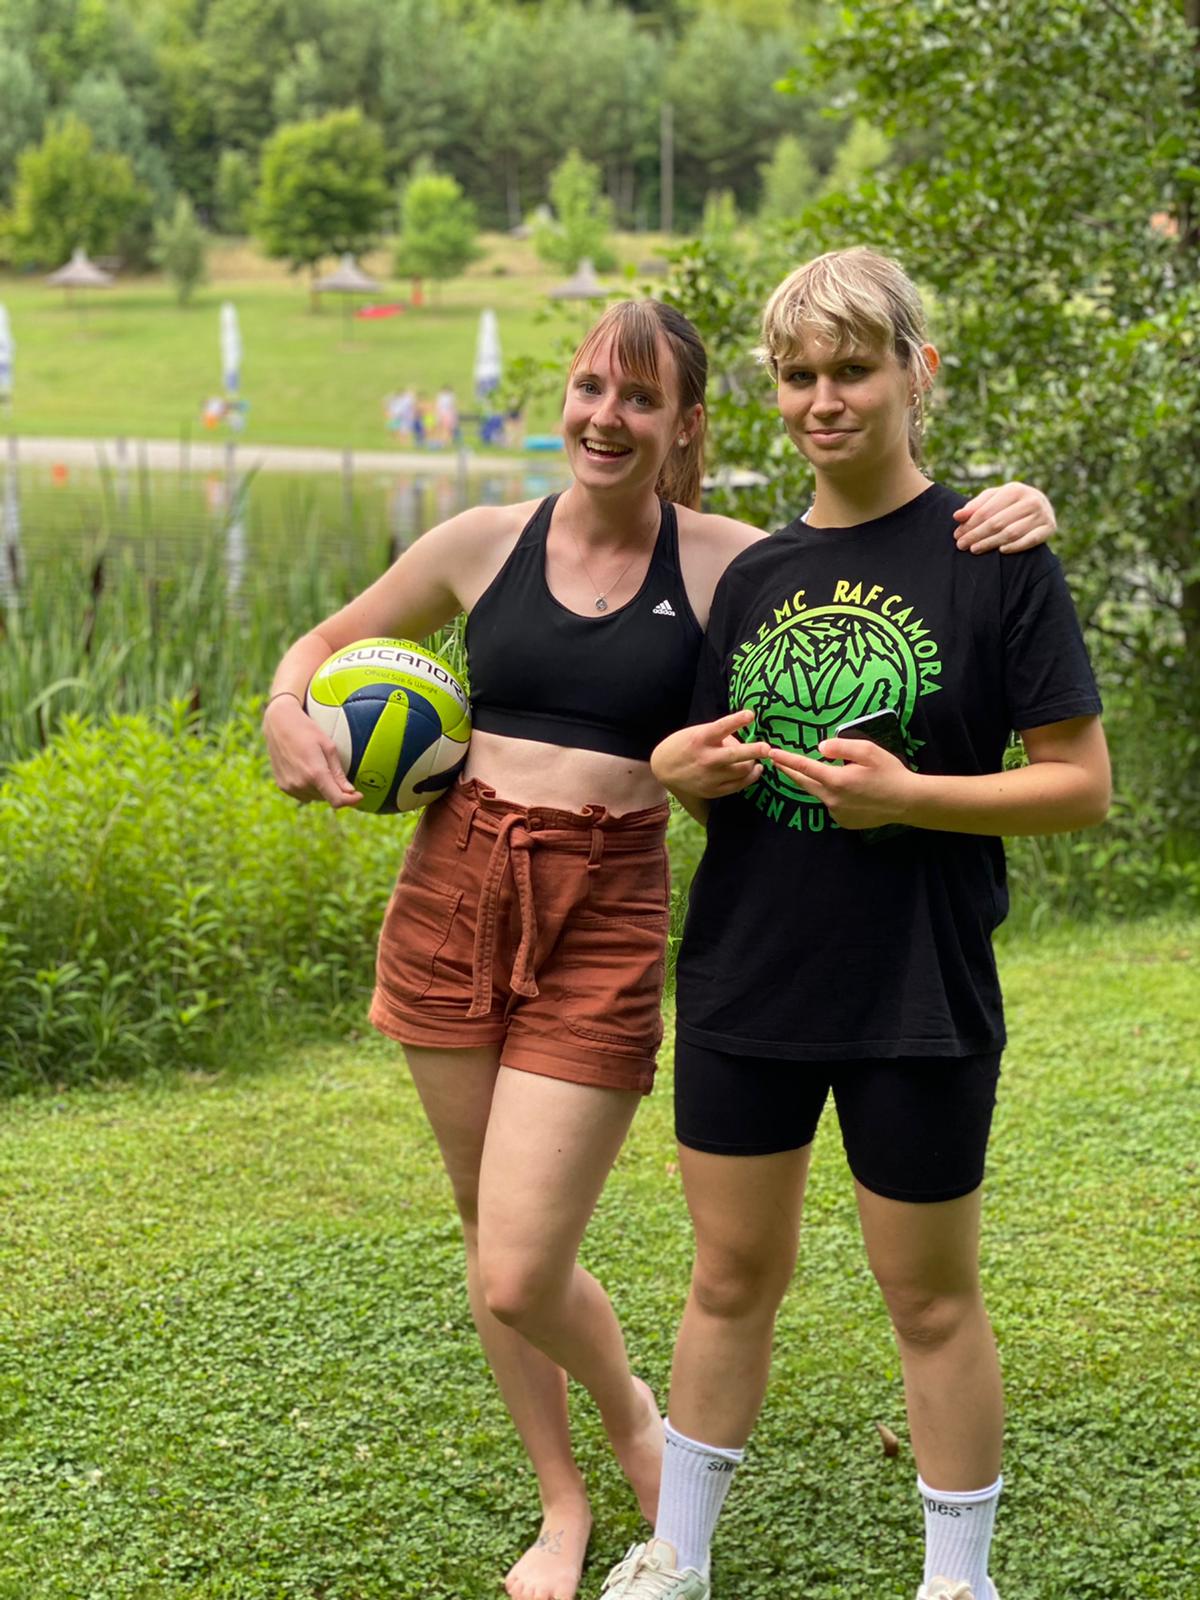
<point x="911" y="797"/>
<point x="282" y="694"/>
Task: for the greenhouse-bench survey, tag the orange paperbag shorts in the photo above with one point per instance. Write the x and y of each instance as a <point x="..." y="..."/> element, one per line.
<point x="541" y="930"/>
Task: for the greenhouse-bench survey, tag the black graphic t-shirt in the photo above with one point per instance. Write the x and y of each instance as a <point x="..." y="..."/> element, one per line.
<point x="804" y="939"/>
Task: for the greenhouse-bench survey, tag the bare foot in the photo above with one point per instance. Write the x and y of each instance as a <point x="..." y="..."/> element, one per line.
<point x="640" y="1453"/>
<point x="550" y="1569"/>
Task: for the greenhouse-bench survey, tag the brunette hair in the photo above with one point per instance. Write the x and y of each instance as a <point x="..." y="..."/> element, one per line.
<point x="847" y="298"/>
<point x="634" y="327"/>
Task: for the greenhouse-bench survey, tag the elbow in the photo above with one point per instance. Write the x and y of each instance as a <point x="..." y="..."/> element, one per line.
<point x="1095" y="803"/>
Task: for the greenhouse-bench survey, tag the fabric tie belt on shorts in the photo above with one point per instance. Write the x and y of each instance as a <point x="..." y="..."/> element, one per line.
<point x="517" y="835"/>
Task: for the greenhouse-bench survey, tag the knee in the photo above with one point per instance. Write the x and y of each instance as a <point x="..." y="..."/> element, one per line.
<point x="731" y="1285"/>
<point x="516" y="1293"/>
<point x="928" y="1320"/>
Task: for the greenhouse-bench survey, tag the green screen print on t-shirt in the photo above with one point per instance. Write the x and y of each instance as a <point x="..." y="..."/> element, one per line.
<point x="815" y="667"/>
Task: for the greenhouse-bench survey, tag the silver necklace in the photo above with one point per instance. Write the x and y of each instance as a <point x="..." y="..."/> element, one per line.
<point x="600" y="603"/>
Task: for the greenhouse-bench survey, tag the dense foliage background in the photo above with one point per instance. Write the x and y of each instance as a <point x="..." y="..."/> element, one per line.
<point x="493" y="92"/>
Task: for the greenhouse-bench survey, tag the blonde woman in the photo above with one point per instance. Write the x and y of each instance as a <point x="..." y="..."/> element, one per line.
<point x="838" y="940"/>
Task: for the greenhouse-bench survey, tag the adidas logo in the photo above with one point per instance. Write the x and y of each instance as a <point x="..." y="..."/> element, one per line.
<point x="664" y="608"/>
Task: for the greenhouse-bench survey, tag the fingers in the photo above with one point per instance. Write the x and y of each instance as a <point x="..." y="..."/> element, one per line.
<point x="343" y="791"/>
<point x="1013" y="517"/>
<point x="727" y="725"/>
<point x="977" y="505"/>
<point x="812" y="775"/>
<point x="740" y="777"/>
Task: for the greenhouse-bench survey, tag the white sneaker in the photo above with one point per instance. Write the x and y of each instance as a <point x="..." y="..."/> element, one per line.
<point x="648" y="1572"/>
<point x="943" y="1589"/>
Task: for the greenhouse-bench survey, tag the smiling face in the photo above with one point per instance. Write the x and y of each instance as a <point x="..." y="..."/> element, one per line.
<point x="620" y="426"/>
<point x="847" y="406"/>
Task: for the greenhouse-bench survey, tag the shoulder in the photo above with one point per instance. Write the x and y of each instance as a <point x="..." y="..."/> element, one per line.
<point x="715" y="536"/>
<point x="707" y="546"/>
<point x="483" y="525"/>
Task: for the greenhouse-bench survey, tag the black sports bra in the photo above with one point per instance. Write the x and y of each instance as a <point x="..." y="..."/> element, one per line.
<point x="617" y="683"/>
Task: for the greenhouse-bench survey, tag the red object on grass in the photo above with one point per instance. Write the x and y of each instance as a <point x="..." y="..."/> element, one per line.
<point x="374" y="312"/>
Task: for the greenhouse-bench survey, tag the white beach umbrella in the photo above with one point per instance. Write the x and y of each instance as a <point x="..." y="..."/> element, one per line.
<point x="10" y="528"/>
<point x="488" y="362"/>
<point x="231" y="349"/>
<point x="7" y="351"/>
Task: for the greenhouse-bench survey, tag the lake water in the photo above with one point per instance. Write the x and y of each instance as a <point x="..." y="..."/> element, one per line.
<point x="61" y="518"/>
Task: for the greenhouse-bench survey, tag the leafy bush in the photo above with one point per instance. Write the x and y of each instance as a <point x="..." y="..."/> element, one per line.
<point x="160" y="894"/>
<point x="582" y="218"/>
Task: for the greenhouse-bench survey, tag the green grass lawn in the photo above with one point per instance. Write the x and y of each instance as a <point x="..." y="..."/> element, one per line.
<point x="236" y="1361"/>
<point x="132" y="363"/>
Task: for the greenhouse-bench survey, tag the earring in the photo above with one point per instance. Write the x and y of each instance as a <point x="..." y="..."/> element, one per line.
<point x="682" y="440"/>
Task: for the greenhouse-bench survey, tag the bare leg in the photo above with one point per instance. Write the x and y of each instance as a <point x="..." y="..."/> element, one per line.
<point x="550" y="1146"/>
<point x="926" y="1261"/>
<point x="456" y="1089"/>
<point x="746" y="1214"/>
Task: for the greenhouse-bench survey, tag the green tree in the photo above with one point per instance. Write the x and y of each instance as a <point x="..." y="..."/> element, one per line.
<point x="24" y="100"/>
<point x="322" y="191"/>
<point x="594" y="55"/>
<point x="727" y="113"/>
<point x="437" y="228"/>
<point x="68" y="193"/>
<point x="425" y="87"/>
<point x="245" y="47"/>
<point x="299" y="94"/>
<point x="1053" y="210"/>
<point x="862" y="152"/>
<point x="234" y="194"/>
<point x="582" y="218"/>
<point x="118" y="127"/>
<point x="719" y="222"/>
<point x="188" y="128"/>
<point x="789" y="181"/>
<point x="181" y="249"/>
<point x="507" y="145"/>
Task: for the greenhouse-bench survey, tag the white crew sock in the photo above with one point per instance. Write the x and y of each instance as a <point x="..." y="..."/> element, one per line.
<point x="958" y="1534"/>
<point x="695" y="1481"/>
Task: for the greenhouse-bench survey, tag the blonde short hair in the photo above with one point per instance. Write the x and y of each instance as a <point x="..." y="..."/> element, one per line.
<point x="849" y="298"/>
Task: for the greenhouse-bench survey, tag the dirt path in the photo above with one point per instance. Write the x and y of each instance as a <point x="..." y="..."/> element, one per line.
<point x="174" y="455"/>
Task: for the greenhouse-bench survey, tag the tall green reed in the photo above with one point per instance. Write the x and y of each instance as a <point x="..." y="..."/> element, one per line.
<point x="129" y="620"/>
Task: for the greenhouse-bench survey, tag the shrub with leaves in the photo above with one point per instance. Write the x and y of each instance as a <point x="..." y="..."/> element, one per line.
<point x="181" y="249"/>
<point x="582" y="221"/>
<point x="160" y="893"/>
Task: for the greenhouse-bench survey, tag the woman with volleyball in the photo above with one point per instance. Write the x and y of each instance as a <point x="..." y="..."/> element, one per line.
<point x="521" y="959"/>
<point x="867" y="885"/>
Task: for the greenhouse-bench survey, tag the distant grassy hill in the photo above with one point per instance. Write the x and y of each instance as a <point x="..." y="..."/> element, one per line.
<point x="130" y="361"/>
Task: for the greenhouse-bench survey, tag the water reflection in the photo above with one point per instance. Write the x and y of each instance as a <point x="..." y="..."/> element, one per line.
<point x="163" y="521"/>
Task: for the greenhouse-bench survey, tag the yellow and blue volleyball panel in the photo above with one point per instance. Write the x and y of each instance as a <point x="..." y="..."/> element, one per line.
<point x="400" y="720"/>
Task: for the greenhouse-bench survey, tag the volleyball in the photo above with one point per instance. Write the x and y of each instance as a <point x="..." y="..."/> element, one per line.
<point x="399" y="718"/>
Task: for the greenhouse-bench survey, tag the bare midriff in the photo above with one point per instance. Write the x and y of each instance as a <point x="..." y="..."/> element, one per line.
<point x="531" y="773"/>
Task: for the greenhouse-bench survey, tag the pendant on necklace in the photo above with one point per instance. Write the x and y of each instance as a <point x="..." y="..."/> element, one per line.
<point x="601" y="603"/>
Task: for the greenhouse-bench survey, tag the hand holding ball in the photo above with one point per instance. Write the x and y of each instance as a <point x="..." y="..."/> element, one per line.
<point x="399" y="718"/>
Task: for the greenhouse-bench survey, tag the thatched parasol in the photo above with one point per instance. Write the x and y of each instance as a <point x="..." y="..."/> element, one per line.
<point x="79" y="273"/>
<point x="582" y="285"/>
<point x="347" y="279"/>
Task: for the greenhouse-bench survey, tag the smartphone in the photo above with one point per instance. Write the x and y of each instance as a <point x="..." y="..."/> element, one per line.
<point x="881" y="728"/>
<point x="884" y="729"/>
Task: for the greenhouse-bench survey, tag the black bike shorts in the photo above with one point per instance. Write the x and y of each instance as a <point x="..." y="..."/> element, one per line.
<point x="913" y="1128"/>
